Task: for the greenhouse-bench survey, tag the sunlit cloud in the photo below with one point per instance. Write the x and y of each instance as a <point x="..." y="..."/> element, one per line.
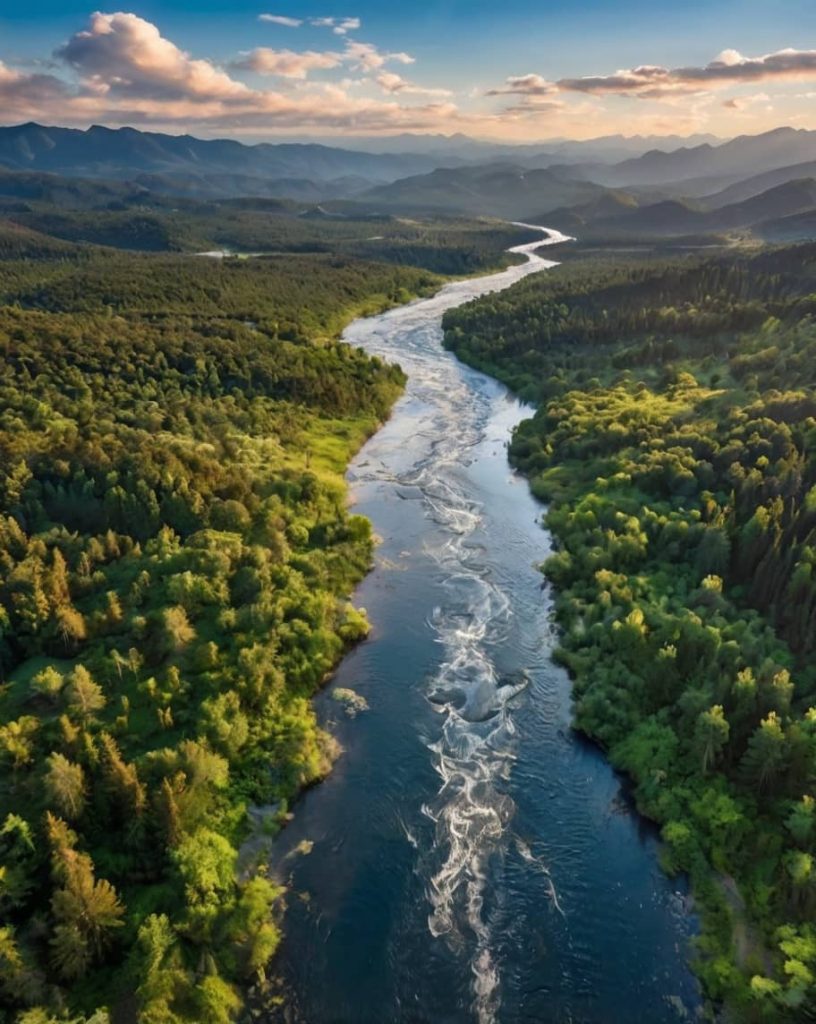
<point x="525" y="85"/>
<point x="124" y="56"/>
<point x="395" y="84"/>
<point x="366" y="57"/>
<point x="651" y="81"/>
<point x="127" y="72"/>
<point x="286" y="63"/>
<point x="120" y="69"/>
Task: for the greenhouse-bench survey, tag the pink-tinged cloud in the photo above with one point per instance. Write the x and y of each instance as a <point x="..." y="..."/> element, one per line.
<point x="286" y="63"/>
<point x="366" y="57"/>
<point x="281" y="19"/>
<point x="128" y="73"/>
<point x="125" y="56"/>
<point x="525" y="85"/>
<point x="23" y="95"/>
<point x="650" y="81"/>
<point x="395" y="84"/>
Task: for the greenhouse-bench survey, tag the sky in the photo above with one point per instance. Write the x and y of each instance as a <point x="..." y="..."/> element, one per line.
<point x="508" y="70"/>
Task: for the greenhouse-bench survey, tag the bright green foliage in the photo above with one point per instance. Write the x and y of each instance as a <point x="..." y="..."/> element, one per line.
<point x="675" y="441"/>
<point x="176" y="557"/>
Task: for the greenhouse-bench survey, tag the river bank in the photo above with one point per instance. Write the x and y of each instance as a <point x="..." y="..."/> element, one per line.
<point x="468" y="859"/>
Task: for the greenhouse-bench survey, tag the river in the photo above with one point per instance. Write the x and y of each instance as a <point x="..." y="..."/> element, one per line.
<point x="470" y="860"/>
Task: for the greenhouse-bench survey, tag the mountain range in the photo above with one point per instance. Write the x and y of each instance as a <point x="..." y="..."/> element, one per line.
<point x="683" y="190"/>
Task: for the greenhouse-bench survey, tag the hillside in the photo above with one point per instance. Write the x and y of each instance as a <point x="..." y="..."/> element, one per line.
<point x="675" y="217"/>
<point x="498" y="190"/>
<point x="757" y="184"/>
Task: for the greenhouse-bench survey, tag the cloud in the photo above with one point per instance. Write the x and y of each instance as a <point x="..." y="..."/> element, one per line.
<point x="525" y="85"/>
<point x="652" y="81"/>
<point x="534" y="108"/>
<point x="340" y="26"/>
<point x="395" y="84"/>
<point x="359" y="56"/>
<point x="281" y="19"/>
<point x="746" y="102"/>
<point x="23" y="95"/>
<point x="126" y="72"/>
<point x="286" y="63"/>
<point x="123" y="56"/>
<point x="366" y="57"/>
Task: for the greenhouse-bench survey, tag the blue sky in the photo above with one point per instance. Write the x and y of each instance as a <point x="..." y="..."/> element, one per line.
<point x="518" y="70"/>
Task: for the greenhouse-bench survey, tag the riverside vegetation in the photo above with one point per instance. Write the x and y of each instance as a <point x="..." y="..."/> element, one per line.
<point x="675" y="442"/>
<point x="176" y="557"/>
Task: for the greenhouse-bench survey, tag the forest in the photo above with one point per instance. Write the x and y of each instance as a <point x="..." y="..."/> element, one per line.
<point x="674" y="442"/>
<point x="176" y="560"/>
<point x="43" y="212"/>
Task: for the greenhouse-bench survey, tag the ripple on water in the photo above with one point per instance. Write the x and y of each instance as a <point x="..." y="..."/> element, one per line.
<point x="462" y="882"/>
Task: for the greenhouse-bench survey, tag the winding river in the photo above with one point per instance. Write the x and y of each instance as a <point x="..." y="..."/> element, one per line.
<point x="470" y="859"/>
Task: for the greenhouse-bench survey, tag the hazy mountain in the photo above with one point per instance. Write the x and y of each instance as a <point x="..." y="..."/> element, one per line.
<point x="498" y="190"/>
<point x="758" y="183"/>
<point x="778" y="148"/>
<point x="683" y="217"/>
<point x="798" y="228"/>
<point x="608" y="149"/>
<point x="575" y="218"/>
<point x="68" y="193"/>
<point x="125" y="153"/>
<point x="218" y="185"/>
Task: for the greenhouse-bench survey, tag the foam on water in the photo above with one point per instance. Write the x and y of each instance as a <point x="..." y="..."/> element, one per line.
<point x="474" y="749"/>
<point x="473" y="860"/>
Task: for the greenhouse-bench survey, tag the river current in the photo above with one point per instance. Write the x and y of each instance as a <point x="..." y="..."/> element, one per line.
<point x="470" y="860"/>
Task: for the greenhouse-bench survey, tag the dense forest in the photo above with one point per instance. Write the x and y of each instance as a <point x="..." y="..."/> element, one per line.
<point x="42" y="212"/>
<point x="675" y="442"/>
<point x="176" y="557"/>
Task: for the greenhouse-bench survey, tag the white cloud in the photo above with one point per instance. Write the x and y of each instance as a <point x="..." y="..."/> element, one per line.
<point x="281" y="19"/>
<point x="340" y="26"/>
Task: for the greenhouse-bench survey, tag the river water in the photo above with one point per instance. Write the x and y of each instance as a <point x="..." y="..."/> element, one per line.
<point x="470" y="860"/>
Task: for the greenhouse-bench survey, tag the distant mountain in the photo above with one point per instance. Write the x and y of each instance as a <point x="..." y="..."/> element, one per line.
<point x="608" y="149"/>
<point x="778" y="148"/>
<point x="798" y="228"/>
<point x="67" y="193"/>
<point x="575" y="218"/>
<point x="758" y="183"/>
<point x="125" y="153"/>
<point x="684" y="217"/>
<point x="497" y="190"/>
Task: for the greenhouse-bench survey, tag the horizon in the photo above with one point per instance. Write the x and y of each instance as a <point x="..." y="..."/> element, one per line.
<point x="271" y="72"/>
<point x="347" y="141"/>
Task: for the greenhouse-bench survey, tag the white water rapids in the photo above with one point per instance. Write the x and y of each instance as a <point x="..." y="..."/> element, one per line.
<point x="474" y="750"/>
<point x="469" y="860"/>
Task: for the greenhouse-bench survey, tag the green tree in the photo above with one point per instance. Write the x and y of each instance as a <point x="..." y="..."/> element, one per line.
<point x="65" y="786"/>
<point x="711" y="736"/>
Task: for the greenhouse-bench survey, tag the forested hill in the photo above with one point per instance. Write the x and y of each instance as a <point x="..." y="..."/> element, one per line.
<point x="176" y="558"/>
<point x="675" y="440"/>
<point x="39" y="212"/>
